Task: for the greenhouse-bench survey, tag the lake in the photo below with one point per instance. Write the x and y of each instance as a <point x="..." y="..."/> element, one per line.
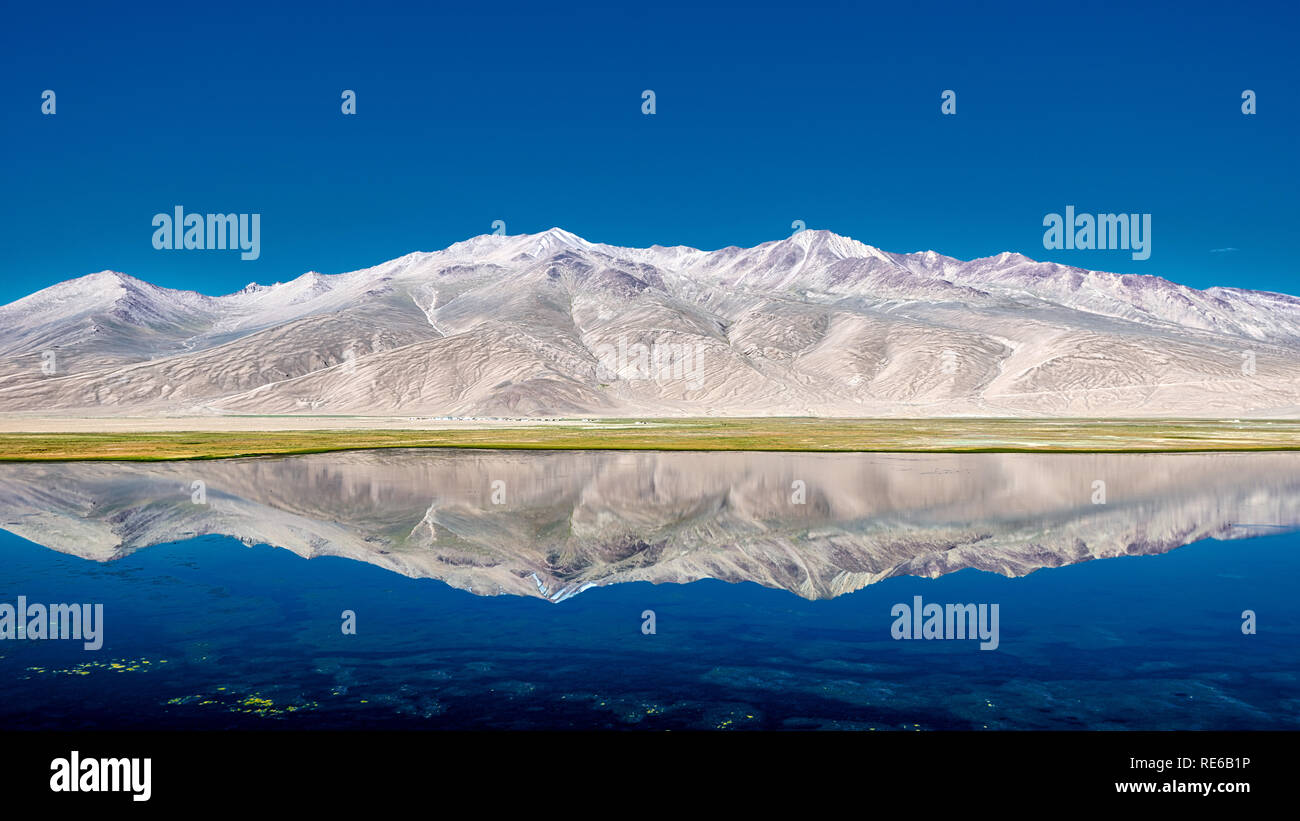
<point x="644" y="590"/>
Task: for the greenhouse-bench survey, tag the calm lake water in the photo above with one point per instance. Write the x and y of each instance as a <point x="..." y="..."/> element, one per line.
<point x="498" y="589"/>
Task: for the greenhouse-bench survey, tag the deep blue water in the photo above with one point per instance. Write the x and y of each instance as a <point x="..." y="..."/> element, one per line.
<point x="208" y="633"/>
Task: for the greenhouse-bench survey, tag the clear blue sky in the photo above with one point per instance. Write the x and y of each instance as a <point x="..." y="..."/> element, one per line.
<point x="531" y="113"/>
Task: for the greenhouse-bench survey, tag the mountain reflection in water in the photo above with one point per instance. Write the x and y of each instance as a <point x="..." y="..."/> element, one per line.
<point x="554" y="523"/>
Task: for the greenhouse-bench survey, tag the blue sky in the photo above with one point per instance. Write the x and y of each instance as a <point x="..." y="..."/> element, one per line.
<point x="531" y="113"/>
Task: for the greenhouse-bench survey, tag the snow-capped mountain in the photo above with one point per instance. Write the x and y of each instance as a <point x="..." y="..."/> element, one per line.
<point x="550" y="324"/>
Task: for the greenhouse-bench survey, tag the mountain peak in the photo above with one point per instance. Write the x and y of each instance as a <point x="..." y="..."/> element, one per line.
<point x="107" y="278"/>
<point x="554" y="239"/>
<point x="832" y="244"/>
<point x="560" y="234"/>
<point x="502" y="248"/>
<point x="89" y="289"/>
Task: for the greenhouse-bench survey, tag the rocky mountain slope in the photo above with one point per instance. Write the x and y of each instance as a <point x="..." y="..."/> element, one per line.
<point x="552" y="325"/>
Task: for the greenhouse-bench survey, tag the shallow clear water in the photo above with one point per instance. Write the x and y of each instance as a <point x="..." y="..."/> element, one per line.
<point x="768" y="613"/>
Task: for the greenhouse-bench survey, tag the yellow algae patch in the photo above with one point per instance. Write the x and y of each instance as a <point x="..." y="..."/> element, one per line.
<point x="86" y="668"/>
<point x="248" y="704"/>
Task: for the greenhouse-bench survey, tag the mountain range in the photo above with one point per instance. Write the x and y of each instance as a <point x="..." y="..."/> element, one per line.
<point x="551" y="325"/>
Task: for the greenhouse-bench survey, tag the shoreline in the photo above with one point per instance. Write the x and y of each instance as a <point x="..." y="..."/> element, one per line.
<point x="287" y="436"/>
